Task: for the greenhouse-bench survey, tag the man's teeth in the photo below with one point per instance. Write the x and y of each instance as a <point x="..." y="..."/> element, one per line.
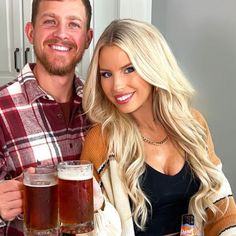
<point x="124" y="97"/>
<point x="60" y="48"/>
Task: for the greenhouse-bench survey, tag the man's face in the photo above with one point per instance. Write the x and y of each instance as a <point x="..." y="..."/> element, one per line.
<point x="59" y="35"/>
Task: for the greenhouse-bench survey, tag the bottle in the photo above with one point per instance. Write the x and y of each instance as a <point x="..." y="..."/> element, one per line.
<point x="187" y="225"/>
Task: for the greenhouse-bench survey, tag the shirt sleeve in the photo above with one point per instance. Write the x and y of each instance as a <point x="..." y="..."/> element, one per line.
<point x="107" y="221"/>
<point x="3" y="166"/>
<point x="224" y="223"/>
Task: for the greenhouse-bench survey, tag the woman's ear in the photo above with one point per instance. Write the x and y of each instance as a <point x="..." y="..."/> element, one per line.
<point x="29" y="31"/>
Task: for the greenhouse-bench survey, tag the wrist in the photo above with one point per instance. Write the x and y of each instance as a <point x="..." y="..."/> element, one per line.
<point x="102" y="207"/>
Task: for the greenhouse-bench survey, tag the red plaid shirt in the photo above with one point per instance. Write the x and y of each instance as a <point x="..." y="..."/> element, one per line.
<point x="33" y="130"/>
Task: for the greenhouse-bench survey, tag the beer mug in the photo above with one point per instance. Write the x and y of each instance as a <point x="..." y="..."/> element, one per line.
<point x="75" y="185"/>
<point x="41" y="202"/>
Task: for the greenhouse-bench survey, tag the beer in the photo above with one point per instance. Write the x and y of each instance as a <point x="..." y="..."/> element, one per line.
<point x="41" y="207"/>
<point x="41" y="202"/>
<point x="187" y="225"/>
<point x="75" y="185"/>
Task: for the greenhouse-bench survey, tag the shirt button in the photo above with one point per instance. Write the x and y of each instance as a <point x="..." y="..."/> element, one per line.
<point x="59" y="116"/>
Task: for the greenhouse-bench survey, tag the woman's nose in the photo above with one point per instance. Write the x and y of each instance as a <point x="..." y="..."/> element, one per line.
<point x="118" y="82"/>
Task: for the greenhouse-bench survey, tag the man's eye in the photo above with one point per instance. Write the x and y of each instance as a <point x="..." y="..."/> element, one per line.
<point x="105" y="74"/>
<point x="74" y="25"/>
<point x="49" y="22"/>
<point x="129" y="69"/>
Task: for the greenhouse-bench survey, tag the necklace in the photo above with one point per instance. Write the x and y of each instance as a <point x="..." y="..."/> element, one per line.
<point x="156" y="143"/>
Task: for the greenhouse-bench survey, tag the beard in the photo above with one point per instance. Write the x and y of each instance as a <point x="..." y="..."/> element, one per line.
<point x="56" y="65"/>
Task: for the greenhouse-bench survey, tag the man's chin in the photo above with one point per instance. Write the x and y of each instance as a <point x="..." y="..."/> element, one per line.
<point x="60" y="69"/>
<point x="57" y="65"/>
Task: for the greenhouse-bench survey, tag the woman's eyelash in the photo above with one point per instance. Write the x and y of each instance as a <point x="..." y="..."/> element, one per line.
<point x="129" y="69"/>
<point x="105" y="74"/>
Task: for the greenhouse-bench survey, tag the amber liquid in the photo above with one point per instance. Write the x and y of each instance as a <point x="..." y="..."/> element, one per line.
<point x="76" y="202"/>
<point x="41" y="207"/>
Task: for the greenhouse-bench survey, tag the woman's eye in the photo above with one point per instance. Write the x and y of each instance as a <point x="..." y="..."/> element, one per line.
<point x="105" y="74"/>
<point x="129" y="69"/>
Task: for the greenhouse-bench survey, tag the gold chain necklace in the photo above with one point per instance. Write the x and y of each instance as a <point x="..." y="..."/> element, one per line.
<point x="156" y="143"/>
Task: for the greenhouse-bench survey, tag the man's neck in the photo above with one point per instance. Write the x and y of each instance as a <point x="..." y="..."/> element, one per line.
<point x="59" y="87"/>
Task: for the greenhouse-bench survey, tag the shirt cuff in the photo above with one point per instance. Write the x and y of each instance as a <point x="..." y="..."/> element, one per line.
<point x="2" y="223"/>
<point x="107" y="221"/>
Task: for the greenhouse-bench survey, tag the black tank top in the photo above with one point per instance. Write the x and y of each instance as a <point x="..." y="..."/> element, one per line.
<point x="169" y="197"/>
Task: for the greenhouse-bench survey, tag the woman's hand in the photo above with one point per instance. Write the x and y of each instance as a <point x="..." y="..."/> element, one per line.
<point x="98" y="196"/>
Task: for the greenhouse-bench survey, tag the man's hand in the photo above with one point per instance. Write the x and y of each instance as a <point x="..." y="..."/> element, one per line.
<point x="11" y="199"/>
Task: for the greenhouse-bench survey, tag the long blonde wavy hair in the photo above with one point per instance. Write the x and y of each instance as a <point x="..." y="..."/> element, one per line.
<point x="172" y="95"/>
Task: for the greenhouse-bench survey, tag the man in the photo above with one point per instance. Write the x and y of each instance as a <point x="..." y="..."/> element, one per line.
<point x="41" y="116"/>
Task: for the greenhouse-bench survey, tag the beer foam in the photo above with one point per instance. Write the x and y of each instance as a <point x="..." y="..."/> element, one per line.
<point x="74" y="175"/>
<point x="40" y="184"/>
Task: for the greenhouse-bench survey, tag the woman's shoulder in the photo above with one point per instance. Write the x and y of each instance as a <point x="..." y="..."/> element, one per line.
<point x="95" y="143"/>
<point x="202" y="121"/>
<point x="94" y="131"/>
<point x="198" y="116"/>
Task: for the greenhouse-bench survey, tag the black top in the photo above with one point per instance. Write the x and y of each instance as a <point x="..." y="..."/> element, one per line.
<point x="169" y="197"/>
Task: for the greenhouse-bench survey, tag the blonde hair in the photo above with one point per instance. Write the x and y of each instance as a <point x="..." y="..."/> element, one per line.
<point x="172" y="94"/>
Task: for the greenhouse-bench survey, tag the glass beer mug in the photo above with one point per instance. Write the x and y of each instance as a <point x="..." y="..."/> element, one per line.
<point x="76" y="210"/>
<point x="41" y="202"/>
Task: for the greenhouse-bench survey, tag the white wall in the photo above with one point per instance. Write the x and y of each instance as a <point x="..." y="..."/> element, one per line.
<point x="202" y="35"/>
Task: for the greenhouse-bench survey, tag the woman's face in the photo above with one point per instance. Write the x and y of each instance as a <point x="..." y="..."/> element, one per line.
<point x="121" y="83"/>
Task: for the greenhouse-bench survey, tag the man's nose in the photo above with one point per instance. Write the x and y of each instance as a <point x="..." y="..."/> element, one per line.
<point x="61" y="31"/>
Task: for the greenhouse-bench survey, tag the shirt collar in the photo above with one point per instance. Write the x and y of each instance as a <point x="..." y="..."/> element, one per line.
<point x="33" y="91"/>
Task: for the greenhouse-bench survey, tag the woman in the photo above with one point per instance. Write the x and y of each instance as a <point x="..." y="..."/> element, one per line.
<point x="152" y="152"/>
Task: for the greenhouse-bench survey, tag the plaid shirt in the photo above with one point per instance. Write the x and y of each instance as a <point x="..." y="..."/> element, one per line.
<point x="33" y="130"/>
